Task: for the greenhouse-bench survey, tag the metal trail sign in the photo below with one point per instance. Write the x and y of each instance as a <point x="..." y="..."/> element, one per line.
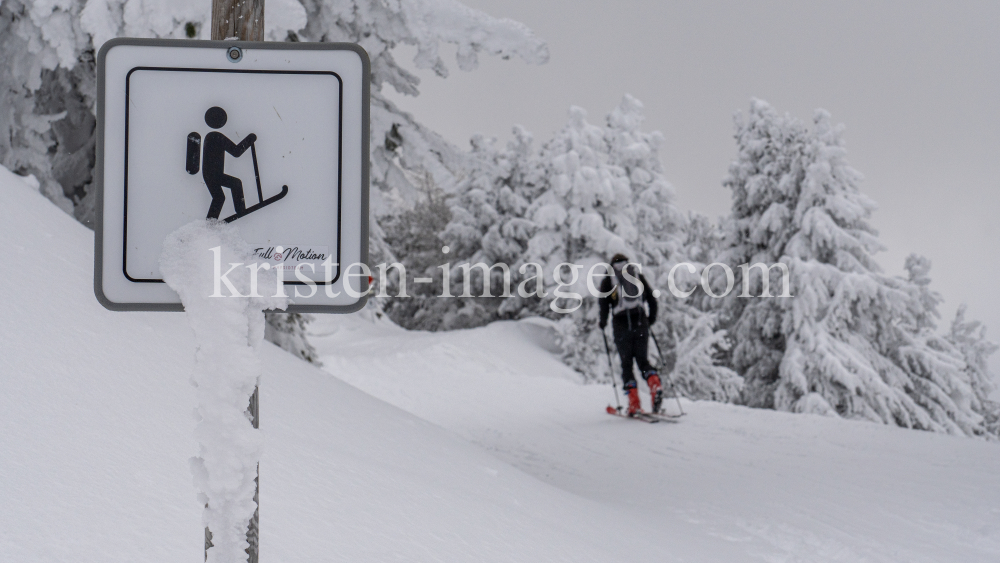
<point x="176" y="122"/>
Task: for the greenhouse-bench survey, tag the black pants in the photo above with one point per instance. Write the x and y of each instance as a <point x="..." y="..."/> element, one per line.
<point x="632" y="339"/>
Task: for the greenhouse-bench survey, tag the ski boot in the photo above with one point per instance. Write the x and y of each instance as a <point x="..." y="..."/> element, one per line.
<point x="633" y="402"/>
<point x="655" y="391"/>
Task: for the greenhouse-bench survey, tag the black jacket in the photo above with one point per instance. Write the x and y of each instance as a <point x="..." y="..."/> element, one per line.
<point x="608" y="303"/>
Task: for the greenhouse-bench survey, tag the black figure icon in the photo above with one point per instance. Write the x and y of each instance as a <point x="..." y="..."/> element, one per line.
<point x="213" y="167"/>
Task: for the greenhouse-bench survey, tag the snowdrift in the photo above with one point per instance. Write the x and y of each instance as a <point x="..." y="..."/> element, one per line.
<point x="96" y="432"/>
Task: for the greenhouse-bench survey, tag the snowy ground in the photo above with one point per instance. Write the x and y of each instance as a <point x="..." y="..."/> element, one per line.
<point x="496" y="452"/>
<point x="96" y="429"/>
<point x="726" y="483"/>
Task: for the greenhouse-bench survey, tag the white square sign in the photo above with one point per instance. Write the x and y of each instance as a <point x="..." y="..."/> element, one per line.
<point x="270" y="136"/>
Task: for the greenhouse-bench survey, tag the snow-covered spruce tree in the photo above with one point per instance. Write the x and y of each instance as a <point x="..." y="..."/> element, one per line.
<point x="969" y="338"/>
<point x="654" y="217"/>
<point x="941" y="381"/>
<point x="48" y="88"/>
<point x="950" y="372"/>
<point x="582" y="215"/>
<point x="694" y="347"/>
<point x="414" y="234"/>
<point x="702" y="239"/>
<point x="764" y="180"/>
<point x="507" y="239"/>
<point x="486" y="228"/>
<point x="480" y="222"/>
<point x="851" y="341"/>
<point x="689" y="327"/>
<point x="695" y="354"/>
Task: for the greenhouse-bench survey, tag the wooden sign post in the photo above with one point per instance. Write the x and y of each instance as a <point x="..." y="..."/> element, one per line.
<point x="239" y="19"/>
<point x="242" y="20"/>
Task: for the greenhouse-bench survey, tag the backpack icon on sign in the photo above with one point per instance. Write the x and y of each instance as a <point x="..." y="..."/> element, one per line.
<point x="213" y="167"/>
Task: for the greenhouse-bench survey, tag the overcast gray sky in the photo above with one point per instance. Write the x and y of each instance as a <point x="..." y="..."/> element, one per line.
<point x="916" y="83"/>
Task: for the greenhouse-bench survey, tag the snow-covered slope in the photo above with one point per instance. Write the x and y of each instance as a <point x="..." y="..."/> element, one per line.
<point x="503" y="456"/>
<point x="728" y="483"/>
<point x="96" y="431"/>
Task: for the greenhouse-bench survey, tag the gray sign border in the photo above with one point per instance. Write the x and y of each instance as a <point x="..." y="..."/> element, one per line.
<point x="225" y="45"/>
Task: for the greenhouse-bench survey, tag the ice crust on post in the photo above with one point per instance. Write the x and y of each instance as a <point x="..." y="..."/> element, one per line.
<point x="229" y="330"/>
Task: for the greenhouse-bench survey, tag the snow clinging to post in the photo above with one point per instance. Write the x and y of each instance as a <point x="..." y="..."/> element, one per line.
<point x="229" y="330"/>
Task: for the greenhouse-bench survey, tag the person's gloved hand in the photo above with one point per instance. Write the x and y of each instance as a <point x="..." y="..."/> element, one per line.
<point x="652" y="320"/>
<point x="602" y="323"/>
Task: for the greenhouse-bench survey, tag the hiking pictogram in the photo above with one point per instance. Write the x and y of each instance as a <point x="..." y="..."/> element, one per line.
<point x="213" y="167"/>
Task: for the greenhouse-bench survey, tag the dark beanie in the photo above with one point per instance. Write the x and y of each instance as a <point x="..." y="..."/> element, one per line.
<point x="619" y="258"/>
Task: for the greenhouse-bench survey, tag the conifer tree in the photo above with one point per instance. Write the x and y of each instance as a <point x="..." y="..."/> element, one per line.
<point x="969" y="338"/>
<point x="581" y="215"/>
<point x="851" y="341"/>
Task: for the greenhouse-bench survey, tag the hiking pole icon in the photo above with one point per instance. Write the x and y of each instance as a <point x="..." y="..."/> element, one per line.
<point x="213" y="162"/>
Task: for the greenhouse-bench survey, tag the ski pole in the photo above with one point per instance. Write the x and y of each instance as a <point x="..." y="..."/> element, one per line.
<point x="611" y="365"/>
<point x="672" y="386"/>
<point x="659" y="352"/>
<point x="256" y="172"/>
